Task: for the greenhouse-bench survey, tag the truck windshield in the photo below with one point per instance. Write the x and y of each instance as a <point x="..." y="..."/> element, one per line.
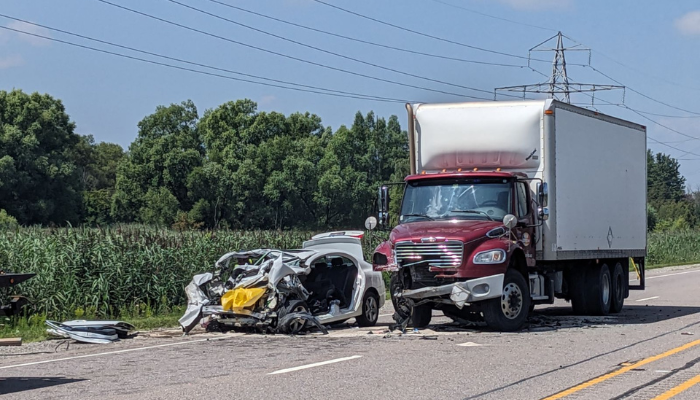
<point x="486" y="200"/>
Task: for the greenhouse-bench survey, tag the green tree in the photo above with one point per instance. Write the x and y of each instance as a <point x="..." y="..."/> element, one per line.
<point x="160" y="207"/>
<point x="97" y="164"/>
<point x="166" y="150"/>
<point x="664" y="180"/>
<point x="39" y="178"/>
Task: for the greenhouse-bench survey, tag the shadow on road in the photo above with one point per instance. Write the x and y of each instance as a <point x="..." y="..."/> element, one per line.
<point x="562" y="317"/>
<point x="21" y="384"/>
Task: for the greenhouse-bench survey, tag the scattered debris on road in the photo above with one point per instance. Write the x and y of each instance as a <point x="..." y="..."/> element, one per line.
<point x="99" y="332"/>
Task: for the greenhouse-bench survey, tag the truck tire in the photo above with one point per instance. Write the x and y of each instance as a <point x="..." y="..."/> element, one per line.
<point x="576" y="286"/>
<point x="618" y="288"/>
<point x="370" y="310"/>
<point x="509" y="312"/>
<point x="400" y="305"/>
<point x="598" y="290"/>
<point x="422" y="315"/>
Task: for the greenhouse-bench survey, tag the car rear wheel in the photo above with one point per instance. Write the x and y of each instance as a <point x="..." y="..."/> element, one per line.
<point x="370" y="310"/>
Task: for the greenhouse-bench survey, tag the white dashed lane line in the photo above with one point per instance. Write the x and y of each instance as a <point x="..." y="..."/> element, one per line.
<point x="648" y="298"/>
<point x="318" y="364"/>
<point x="663" y="276"/>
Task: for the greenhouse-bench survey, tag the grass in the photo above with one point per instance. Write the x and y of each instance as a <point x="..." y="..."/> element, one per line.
<point x="677" y="248"/>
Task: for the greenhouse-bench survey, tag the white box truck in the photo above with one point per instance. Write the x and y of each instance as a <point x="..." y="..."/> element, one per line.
<point x="512" y="204"/>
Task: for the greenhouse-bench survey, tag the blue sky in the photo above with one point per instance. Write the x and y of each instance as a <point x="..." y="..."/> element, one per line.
<point x="652" y="47"/>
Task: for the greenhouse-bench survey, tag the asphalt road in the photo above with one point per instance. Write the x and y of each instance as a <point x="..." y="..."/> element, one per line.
<point x="649" y="351"/>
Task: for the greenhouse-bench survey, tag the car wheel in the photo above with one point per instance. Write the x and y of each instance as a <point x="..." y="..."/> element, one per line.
<point x="370" y="310"/>
<point x="618" y="289"/>
<point x="422" y="315"/>
<point x="509" y="312"/>
<point x="295" y="306"/>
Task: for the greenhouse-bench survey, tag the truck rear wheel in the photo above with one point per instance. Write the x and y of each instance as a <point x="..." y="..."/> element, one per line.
<point x="422" y="315"/>
<point x="618" y="288"/>
<point x="598" y="290"/>
<point x="509" y="312"/>
<point x="576" y="284"/>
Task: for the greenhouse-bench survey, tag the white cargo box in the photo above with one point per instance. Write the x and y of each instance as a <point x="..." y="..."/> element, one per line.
<point x="594" y="165"/>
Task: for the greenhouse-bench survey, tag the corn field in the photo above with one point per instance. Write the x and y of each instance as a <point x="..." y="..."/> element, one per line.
<point x="136" y="270"/>
<point x="127" y="270"/>
<point x="673" y="248"/>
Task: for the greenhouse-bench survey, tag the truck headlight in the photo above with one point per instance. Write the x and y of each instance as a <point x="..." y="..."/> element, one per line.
<point x="490" y="257"/>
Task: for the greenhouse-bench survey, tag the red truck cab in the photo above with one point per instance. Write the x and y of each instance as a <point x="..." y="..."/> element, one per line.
<point x="451" y="243"/>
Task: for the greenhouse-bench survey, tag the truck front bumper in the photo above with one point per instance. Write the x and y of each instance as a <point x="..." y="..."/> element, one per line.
<point x="473" y="290"/>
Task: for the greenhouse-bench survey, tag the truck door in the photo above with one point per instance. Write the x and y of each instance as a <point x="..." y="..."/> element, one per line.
<point x="525" y="214"/>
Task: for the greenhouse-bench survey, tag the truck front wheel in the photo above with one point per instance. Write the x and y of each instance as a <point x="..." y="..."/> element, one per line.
<point x="509" y="312"/>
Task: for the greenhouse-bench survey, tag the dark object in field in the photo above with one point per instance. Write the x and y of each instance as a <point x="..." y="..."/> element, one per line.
<point x="15" y="303"/>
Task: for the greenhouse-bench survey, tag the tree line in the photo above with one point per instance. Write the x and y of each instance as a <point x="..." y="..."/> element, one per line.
<point x="230" y="167"/>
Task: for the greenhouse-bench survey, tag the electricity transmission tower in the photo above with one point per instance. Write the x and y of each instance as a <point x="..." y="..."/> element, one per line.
<point x="559" y="86"/>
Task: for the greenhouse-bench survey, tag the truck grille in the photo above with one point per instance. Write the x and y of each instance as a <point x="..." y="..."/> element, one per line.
<point x="446" y="254"/>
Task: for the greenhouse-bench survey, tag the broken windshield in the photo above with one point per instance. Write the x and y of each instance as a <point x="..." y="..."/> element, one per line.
<point x="482" y="199"/>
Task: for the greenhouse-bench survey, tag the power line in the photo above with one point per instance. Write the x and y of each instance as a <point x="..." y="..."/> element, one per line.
<point x="327" y="51"/>
<point x="493" y="16"/>
<point x="284" y="55"/>
<point x="648" y="112"/>
<point x="367" y="42"/>
<point x="195" y="63"/>
<point x="669" y="82"/>
<point x="424" y="34"/>
<point x="328" y="93"/>
<point x="642" y="94"/>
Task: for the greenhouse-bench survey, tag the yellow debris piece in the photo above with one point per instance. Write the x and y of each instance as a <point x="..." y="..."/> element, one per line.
<point x="238" y="299"/>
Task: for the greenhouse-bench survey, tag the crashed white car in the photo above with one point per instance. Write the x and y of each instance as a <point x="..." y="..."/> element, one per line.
<point x="287" y="291"/>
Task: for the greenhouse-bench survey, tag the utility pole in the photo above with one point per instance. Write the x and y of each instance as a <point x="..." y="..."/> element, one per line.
<point x="558" y="87"/>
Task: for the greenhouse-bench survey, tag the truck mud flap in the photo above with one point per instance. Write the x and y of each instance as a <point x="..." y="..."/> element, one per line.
<point x="637" y="271"/>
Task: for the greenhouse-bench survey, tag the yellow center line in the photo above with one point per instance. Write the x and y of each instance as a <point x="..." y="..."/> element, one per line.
<point x="676" y="390"/>
<point x="620" y="371"/>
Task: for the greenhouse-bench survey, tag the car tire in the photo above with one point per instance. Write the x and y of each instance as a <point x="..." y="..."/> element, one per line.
<point x="294" y="306"/>
<point x="509" y="312"/>
<point x="618" y="288"/>
<point x="598" y="290"/>
<point x="422" y="315"/>
<point x="370" y="310"/>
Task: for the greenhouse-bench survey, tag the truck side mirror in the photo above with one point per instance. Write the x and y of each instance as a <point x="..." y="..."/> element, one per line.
<point x="542" y="194"/>
<point x="383" y="205"/>
<point x="510" y="221"/>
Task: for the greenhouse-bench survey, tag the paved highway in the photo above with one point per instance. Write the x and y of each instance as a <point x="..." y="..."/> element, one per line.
<point x="649" y="351"/>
